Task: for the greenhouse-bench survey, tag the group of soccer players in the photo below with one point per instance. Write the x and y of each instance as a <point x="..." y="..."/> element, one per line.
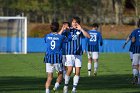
<point x="64" y="52"/>
<point x="134" y="37"/>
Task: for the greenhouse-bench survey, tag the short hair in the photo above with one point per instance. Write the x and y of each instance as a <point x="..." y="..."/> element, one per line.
<point x="77" y="19"/>
<point x="138" y="24"/>
<point x="95" y="25"/>
<point x="67" y="23"/>
<point x="54" y="26"/>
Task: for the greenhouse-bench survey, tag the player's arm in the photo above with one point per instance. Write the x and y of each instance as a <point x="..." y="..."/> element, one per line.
<point x="64" y="27"/>
<point x="127" y="40"/>
<point x="45" y="40"/>
<point x="101" y="39"/>
<point x="69" y="37"/>
<point x="83" y="31"/>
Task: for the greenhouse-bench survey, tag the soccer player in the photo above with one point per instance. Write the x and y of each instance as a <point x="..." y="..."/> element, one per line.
<point x="136" y="54"/>
<point x="93" y="48"/>
<point x="74" y="52"/>
<point x="131" y="46"/>
<point x="53" y="56"/>
<point x="66" y="33"/>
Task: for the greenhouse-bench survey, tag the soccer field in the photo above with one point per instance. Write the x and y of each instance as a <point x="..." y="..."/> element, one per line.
<point x="26" y="74"/>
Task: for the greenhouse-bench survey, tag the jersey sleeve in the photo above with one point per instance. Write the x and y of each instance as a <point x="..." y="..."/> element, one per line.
<point x="45" y="38"/>
<point x="100" y="39"/>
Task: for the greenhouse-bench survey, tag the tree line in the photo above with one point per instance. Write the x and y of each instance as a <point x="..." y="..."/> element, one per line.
<point x="46" y="11"/>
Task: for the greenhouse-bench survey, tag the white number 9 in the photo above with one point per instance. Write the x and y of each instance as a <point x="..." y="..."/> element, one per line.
<point x="52" y="44"/>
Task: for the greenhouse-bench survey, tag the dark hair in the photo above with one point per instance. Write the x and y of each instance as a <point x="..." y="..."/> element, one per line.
<point x="95" y="25"/>
<point x="67" y="23"/>
<point x="138" y="24"/>
<point x="54" y="26"/>
<point x="77" y="19"/>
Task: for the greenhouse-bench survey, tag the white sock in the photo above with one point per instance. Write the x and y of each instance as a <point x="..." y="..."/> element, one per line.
<point x="135" y="72"/>
<point x="47" y="90"/>
<point x="56" y="85"/>
<point x="73" y="69"/>
<point x="139" y="78"/>
<point x="67" y="78"/>
<point x="89" y="69"/>
<point x="64" y="73"/>
<point x="95" y="66"/>
<point x="75" y="81"/>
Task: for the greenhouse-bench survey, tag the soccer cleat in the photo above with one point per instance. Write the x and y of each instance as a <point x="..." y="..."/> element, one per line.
<point x="94" y="74"/>
<point x="54" y="89"/>
<point x="73" y="91"/>
<point x="135" y="80"/>
<point x="65" y="89"/>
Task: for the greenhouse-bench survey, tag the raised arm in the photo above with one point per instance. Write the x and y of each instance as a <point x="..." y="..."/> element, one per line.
<point x="83" y="31"/>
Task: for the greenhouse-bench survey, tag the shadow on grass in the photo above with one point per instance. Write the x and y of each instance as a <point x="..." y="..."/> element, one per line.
<point x="21" y="83"/>
<point x="107" y="82"/>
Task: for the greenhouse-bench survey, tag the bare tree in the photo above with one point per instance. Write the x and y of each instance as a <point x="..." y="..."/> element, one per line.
<point x="118" y="11"/>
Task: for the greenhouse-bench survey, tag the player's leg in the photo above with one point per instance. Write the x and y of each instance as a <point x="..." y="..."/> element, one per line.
<point x="49" y="70"/>
<point x="64" y="67"/>
<point x="59" y="68"/>
<point x="135" y="68"/>
<point x="78" y="64"/>
<point x="89" y="66"/>
<point x="131" y="56"/>
<point x="69" y="65"/>
<point x="95" y="56"/>
<point x="139" y="70"/>
<point x="73" y="70"/>
<point x="67" y="78"/>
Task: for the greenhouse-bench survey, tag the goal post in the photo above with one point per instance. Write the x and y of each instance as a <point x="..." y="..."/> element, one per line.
<point x="13" y="35"/>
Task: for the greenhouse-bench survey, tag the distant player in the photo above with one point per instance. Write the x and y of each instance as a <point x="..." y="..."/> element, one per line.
<point x="131" y="46"/>
<point x="93" y="48"/>
<point x="136" y="54"/>
<point x="129" y="38"/>
<point x="74" y="53"/>
<point x="53" y="56"/>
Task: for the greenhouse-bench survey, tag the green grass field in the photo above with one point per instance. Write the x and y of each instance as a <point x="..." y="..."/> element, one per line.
<point x="26" y="74"/>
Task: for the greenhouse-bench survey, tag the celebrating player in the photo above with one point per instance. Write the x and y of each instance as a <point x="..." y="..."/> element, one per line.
<point x="74" y="52"/>
<point x="66" y="33"/>
<point x="53" y="56"/>
<point x="93" y="48"/>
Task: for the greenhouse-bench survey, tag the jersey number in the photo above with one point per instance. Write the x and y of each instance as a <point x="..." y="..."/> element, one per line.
<point x="93" y="38"/>
<point x="52" y="44"/>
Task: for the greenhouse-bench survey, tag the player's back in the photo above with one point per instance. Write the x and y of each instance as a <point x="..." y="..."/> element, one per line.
<point x="93" y="42"/>
<point x="53" y="43"/>
<point x="136" y="46"/>
<point x="137" y="37"/>
<point x="95" y="37"/>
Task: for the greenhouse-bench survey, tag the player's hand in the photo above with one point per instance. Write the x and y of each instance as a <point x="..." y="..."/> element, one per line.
<point x="65" y="27"/>
<point x="78" y="27"/>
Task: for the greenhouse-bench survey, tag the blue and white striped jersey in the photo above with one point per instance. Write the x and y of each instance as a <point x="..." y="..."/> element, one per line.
<point x="74" y="46"/>
<point x="94" y="41"/>
<point x="65" y="44"/>
<point x="53" y="48"/>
